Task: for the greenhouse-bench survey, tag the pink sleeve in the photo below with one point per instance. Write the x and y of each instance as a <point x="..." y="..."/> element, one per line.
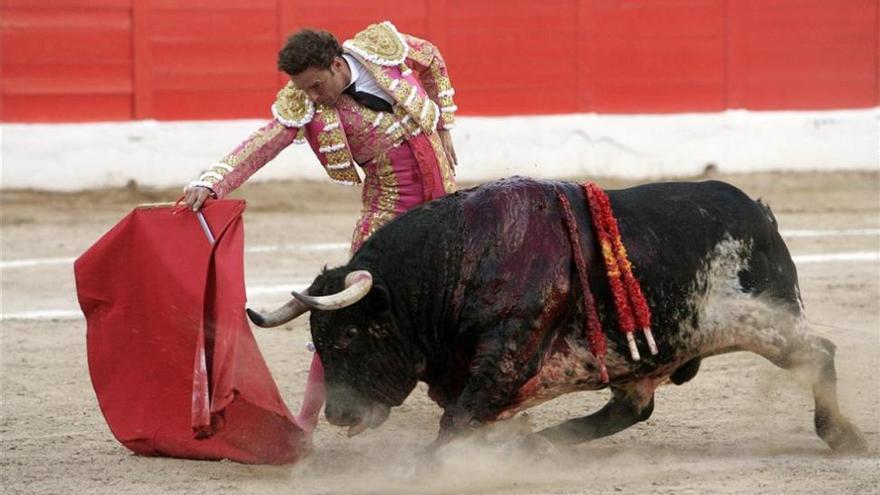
<point x="425" y="59"/>
<point x="261" y="147"/>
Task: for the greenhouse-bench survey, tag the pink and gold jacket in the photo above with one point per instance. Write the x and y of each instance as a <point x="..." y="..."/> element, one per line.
<point x="409" y="69"/>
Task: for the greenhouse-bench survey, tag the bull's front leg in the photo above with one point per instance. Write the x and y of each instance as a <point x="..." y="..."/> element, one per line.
<point x="503" y="363"/>
<point x="464" y="417"/>
<point x="630" y="403"/>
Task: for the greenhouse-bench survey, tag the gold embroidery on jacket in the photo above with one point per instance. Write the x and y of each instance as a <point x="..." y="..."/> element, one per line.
<point x="380" y="195"/>
<point x="446" y="169"/>
<point x="257" y="140"/>
<point x="407" y="96"/>
<point x="370" y="132"/>
<point x="380" y="44"/>
<point x="331" y="143"/>
<point x="423" y="55"/>
<point x="292" y="107"/>
<point x="387" y="193"/>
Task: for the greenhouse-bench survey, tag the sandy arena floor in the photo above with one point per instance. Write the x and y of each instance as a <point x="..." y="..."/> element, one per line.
<point x="741" y="426"/>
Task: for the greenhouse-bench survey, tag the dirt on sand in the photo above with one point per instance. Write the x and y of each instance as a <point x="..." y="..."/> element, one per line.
<point x="741" y="426"/>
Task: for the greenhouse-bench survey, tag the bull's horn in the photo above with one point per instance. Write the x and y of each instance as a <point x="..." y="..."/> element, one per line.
<point x="280" y="316"/>
<point x="357" y="285"/>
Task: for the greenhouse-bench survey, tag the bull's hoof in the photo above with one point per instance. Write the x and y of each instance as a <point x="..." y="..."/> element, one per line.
<point x="845" y="438"/>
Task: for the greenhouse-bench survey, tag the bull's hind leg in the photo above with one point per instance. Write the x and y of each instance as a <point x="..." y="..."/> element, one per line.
<point x="813" y="357"/>
<point x="627" y="406"/>
<point x="778" y="333"/>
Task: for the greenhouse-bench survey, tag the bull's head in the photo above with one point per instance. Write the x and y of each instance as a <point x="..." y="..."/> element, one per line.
<point x="370" y="365"/>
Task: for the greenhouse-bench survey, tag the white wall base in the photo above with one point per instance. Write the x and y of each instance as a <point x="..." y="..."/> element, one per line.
<point x="160" y="154"/>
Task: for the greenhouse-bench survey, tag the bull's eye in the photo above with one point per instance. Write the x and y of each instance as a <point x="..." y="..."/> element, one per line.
<point x="347" y="336"/>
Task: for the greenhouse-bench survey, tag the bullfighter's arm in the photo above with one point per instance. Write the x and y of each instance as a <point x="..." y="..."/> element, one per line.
<point x="235" y="168"/>
<point x="425" y="59"/>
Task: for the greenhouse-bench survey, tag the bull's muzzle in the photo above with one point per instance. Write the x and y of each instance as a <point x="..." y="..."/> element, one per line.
<point x="345" y="407"/>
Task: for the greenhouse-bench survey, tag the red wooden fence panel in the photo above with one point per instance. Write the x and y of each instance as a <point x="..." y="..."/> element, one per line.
<point x="213" y="60"/>
<point x="84" y="60"/>
<point x="809" y="54"/>
<point x="66" y="60"/>
<point x="659" y="56"/>
<point x="515" y="58"/>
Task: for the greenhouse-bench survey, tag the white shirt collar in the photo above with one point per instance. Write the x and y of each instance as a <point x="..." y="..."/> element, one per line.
<point x="353" y="67"/>
<point x="365" y="81"/>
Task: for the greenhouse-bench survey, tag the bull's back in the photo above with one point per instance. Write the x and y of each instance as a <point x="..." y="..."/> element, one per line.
<point x="508" y="247"/>
<point x="692" y="217"/>
<point x="518" y="253"/>
<point x="669" y="229"/>
<point x="677" y="233"/>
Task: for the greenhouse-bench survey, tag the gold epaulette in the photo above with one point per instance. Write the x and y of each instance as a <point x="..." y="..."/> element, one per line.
<point x="292" y="107"/>
<point x="380" y="44"/>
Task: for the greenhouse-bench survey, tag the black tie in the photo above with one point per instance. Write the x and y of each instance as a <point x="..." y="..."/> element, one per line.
<point x="368" y="100"/>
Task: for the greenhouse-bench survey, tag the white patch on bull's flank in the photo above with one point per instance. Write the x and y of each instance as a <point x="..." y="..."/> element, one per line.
<point x="728" y="318"/>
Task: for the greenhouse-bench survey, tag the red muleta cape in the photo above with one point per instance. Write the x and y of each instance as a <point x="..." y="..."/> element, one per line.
<point x="173" y="362"/>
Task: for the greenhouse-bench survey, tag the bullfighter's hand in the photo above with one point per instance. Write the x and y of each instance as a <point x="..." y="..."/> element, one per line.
<point x="195" y="197"/>
<point x="446" y="139"/>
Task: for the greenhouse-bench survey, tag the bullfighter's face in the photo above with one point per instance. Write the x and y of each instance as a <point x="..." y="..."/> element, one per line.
<point x="369" y="365"/>
<point x="323" y="86"/>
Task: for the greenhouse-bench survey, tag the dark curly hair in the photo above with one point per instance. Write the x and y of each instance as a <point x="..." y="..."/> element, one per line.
<point x="308" y="48"/>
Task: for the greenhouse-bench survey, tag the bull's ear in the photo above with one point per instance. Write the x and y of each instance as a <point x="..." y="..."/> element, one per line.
<point x="379" y="299"/>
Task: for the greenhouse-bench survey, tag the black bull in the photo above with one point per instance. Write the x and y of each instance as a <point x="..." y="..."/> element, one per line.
<point x="476" y="294"/>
